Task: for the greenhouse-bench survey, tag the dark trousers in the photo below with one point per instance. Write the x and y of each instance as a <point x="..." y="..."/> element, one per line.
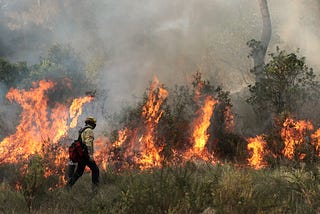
<point x="79" y="172"/>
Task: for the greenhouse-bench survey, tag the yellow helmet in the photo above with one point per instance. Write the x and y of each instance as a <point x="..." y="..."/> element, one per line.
<point x="91" y="120"/>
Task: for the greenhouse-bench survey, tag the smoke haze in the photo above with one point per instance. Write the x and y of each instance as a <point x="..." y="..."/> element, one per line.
<point x="133" y="41"/>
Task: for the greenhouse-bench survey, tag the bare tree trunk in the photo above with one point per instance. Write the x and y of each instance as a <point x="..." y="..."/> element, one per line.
<point x="260" y="48"/>
<point x="258" y="53"/>
<point x="266" y="30"/>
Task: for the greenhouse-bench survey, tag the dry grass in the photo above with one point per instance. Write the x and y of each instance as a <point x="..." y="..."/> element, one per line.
<point x="188" y="189"/>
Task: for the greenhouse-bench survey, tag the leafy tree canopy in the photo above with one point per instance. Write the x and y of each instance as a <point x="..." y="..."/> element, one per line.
<point x="287" y="83"/>
<point x="63" y="66"/>
<point x="12" y="73"/>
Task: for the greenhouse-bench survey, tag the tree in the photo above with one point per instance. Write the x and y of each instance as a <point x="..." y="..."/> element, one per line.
<point x="285" y="85"/>
<point x="259" y="48"/>
<point x="12" y="73"/>
<point x="63" y="66"/>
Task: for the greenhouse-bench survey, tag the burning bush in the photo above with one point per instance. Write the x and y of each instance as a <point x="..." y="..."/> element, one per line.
<point x="190" y="124"/>
<point x="288" y="85"/>
<point x="291" y="142"/>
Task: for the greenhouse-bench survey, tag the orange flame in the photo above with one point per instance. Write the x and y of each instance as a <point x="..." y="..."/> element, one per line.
<point x="40" y="129"/>
<point x="76" y="110"/>
<point x="199" y="135"/>
<point x="293" y="133"/>
<point x="151" y="113"/>
<point x="101" y="151"/>
<point x="122" y="137"/>
<point x="201" y="125"/>
<point x="32" y="130"/>
<point x="138" y="146"/>
<point x="257" y="146"/>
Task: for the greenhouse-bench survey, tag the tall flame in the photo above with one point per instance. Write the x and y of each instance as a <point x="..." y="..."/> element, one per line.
<point x="202" y="123"/>
<point x="138" y="145"/>
<point x="151" y="113"/>
<point x="40" y="128"/>
<point x="200" y="126"/>
<point x="32" y="130"/>
<point x="76" y="109"/>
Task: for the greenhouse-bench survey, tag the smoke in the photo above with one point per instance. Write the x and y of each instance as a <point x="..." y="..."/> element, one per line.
<point x="137" y="40"/>
<point x="297" y="26"/>
<point x="8" y="111"/>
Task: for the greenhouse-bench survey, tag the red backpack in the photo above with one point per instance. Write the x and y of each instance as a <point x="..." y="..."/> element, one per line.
<point x="78" y="151"/>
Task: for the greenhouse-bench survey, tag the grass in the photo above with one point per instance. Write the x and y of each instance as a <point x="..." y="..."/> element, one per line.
<point x="189" y="189"/>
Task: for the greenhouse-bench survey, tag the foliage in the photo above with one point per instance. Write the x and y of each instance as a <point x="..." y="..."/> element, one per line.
<point x="61" y="65"/>
<point x="61" y="61"/>
<point x="288" y="88"/>
<point x="11" y="201"/>
<point x="231" y="147"/>
<point x="255" y="47"/>
<point x="64" y="67"/>
<point x="9" y="173"/>
<point x="12" y="73"/>
<point x="32" y="182"/>
<point x="174" y="129"/>
<point x="31" y="177"/>
<point x="176" y="120"/>
<point x="286" y="85"/>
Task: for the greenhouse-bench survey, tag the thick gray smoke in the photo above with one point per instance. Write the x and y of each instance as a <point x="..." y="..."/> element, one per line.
<point x="134" y="41"/>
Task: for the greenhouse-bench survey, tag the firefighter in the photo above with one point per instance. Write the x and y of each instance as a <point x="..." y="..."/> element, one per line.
<point x="87" y="137"/>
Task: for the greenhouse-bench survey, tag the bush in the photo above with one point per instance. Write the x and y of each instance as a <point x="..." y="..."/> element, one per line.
<point x="288" y="85"/>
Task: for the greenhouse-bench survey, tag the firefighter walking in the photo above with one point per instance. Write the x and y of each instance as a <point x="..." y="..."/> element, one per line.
<point x="86" y="135"/>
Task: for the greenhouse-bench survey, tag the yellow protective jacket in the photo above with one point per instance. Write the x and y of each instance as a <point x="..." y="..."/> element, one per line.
<point x="87" y="137"/>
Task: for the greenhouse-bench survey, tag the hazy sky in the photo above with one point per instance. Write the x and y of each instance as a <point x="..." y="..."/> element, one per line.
<point x="137" y="40"/>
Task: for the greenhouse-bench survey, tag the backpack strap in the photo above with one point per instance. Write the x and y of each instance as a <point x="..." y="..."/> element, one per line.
<point x="80" y="132"/>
